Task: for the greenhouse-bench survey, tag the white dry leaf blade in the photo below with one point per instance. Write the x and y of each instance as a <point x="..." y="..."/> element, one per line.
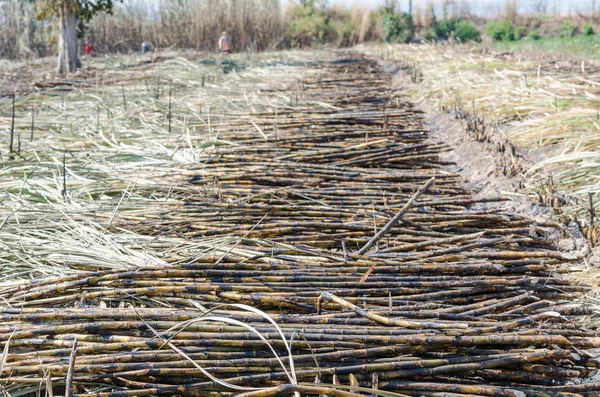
<point x="5" y="353"/>
<point x="199" y="367"/>
<point x="268" y="318"/>
<point x="248" y="327"/>
<point x="259" y="130"/>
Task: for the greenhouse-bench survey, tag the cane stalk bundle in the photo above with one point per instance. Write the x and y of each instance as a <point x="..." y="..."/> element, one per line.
<point x="329" y="253"/>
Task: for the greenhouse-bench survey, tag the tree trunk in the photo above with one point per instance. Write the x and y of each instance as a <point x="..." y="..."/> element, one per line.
<point x="68" y="61"/>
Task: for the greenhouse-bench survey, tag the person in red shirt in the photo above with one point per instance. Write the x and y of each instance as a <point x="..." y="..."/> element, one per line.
<point x="224" y="43"/>
<point x="88" y="48"/>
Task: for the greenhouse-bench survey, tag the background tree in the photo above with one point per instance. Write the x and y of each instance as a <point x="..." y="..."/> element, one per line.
<point x="73" y="16"/>
<point x="540" y="7"/>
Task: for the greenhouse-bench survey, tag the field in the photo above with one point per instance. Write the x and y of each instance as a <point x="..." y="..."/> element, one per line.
<point x="294" y="223"/>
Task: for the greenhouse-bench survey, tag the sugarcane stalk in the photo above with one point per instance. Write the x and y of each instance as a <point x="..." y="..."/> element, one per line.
<point x="396" y="218"/>
<point x="32" y="122"/>
<point x="12" y="125"/>
<point x="70" y="373"/>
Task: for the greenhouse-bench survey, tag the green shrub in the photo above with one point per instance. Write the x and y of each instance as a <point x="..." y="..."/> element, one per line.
<point x="229" y="65"/>
<point x="587" y="30"/>
<point x="534" y="35"/>
<point x="445" y="28"/>
<point x="343" y="32"/>
<point x="466" y="31"/>
<point x="307" y="31"/>
<point x="455" y="27"/>
<point x="520" y="32"/>
<point x="500" y="30"/>
<point x="430" y="35"/>
<point x="308" y="25"/>
<point x="567" y="29"/>
<point x="397" y="28"/>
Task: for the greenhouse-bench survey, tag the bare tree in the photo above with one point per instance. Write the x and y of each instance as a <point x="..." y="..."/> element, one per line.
<point x="510" y="10"/>
<point x="72" y="15"/>
<point x="540" y="6"/>
<point x="449" y="8"/>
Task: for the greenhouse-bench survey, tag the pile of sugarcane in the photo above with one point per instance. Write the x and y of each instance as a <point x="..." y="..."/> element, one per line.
<point x="351" y="263"/>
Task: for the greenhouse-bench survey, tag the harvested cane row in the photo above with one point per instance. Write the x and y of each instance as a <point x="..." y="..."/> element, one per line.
<point x="381" y="272"/>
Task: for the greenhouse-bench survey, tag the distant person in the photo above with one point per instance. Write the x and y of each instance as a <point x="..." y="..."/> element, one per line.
<point x="88" y="49"/>
<point x="145" y="47"/>
<point x="224" y="43"/>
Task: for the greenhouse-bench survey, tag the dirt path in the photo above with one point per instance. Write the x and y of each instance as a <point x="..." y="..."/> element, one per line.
<point x="458" y="297"/>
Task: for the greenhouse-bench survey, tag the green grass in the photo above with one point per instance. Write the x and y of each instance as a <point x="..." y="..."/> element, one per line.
<point x="587" y="47"/>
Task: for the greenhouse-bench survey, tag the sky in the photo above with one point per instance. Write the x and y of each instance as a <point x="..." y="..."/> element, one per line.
<point x="485" y="7"/>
